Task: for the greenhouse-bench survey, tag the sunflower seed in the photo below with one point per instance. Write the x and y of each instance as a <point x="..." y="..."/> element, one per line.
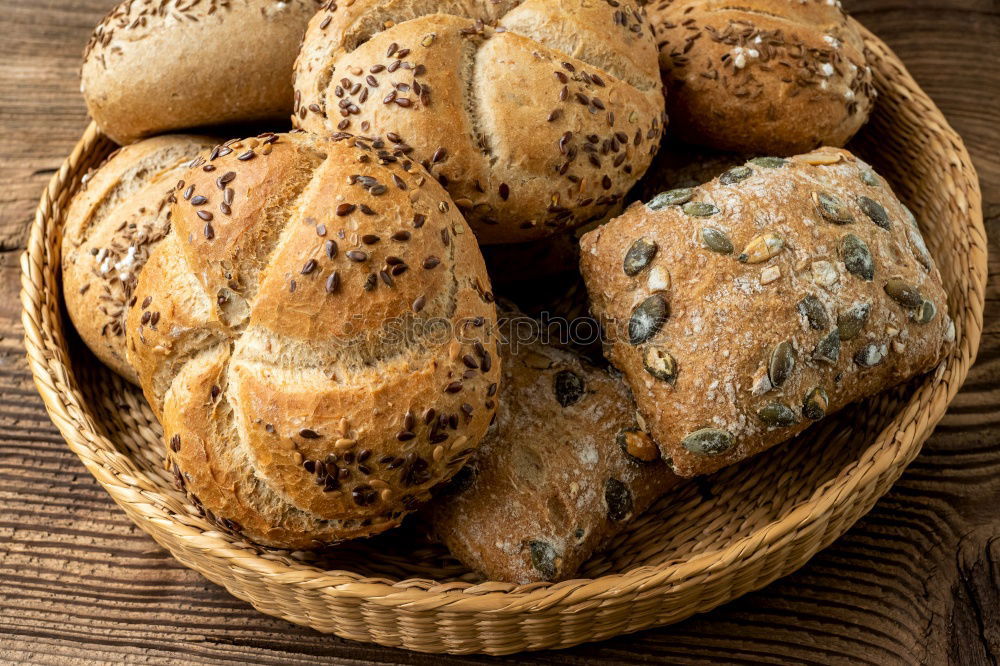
<point x="851" y="322"/>
<point x="646" y="319"/>
<point x="832" y="208"/>
<point x="670" y="198"/>
<point x="699" y="209"/>
<point x="777" y="415"/>
<point x="639" y="256"/>
<point x="904" y="293"/>
<point x="769" y="162"/>
<point x="735" y="175"/>
<point x="781" y="364"/>
<point x="637" y="445"/>
<point x="814" y="311"/>
<point x="875" y="211"/>
<point x="857" y="257"/>
<point x="708" y="442"/>
<point x="828" y="348"/>
<point x="716" y="240"/>
<point x="660" y="364"/>
<point x="761" y="248"/>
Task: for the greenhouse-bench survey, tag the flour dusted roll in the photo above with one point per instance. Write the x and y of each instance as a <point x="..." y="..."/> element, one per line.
<point x="120" y="214"/>
<point x="153" y="66"/>
<point x="536" y="115"/>
<point x="316" y="337"/>
<point x="764" y="76"/>
<point x="743" y="310"/>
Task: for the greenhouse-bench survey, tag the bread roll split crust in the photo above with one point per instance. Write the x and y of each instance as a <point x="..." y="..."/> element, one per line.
<point x="153" y="66"/>
<point x="743" y="310"/>
<point x="536" y="115"/>
<point x="767" y="77"/>
<point x="120" y="214"/>
<point x="315" y="336"/>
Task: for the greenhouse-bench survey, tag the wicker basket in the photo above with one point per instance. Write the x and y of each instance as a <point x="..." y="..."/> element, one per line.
<point x="711" y="542"/>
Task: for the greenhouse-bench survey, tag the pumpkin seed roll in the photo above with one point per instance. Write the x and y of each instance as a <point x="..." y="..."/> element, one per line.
<point x="537" y="116"/>
<point x="316" y="336"/>
<point x="747" y="308"/>
<point x="564" y="468"/>
<point x="762" y="76"/>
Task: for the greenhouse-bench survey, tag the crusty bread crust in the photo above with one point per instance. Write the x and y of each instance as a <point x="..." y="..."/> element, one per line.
<point x="119" y="215"/>
<point x="744" y="309"/>
<point x="153" y="66"/>
<point x="552" y="480"/>
<point x="324" y="353"/>
<point x="766" y="77"/>
<point x="536" y="115"/>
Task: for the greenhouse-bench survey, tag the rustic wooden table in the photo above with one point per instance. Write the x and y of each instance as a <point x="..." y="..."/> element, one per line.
<point x="917" y="581"/>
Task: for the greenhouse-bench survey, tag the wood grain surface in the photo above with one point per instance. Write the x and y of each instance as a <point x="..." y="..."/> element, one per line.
<point x="917" y="581"/>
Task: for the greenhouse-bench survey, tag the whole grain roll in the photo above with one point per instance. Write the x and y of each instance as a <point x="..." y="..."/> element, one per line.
<point x="766" y="77"/>
<point x="324" y="352"/>
<point x="153" y="66"/>
<point x="120" y="213"/>
<point x="564" y="469"/>
<point x="743" y="310"/>
<point x="536" y="115"/>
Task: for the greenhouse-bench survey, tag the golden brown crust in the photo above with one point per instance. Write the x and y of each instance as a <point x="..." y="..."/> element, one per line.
<point x="324" y="355"/>
<point x="119" y="215"/>
<point x="815" y="295"/>
<point x="766" y="77"/>
<point x="537" y="116"/>
<point x="551" y="481"/>
<point x="158" y="65"/>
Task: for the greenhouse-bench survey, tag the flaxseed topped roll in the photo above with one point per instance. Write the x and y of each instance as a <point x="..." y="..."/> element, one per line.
<point x="120" y="214"/>
<point x="324" y="352"/>
<point x="536" y="115"/>
<point x="766" y="77"/>
<point x="743" y="310"/>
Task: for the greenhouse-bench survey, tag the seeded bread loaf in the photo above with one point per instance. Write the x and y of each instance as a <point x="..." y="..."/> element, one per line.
<point x="316" y="337"/>
<point x="536" y="115"/>
<point x="745" y="309"/>
<point x="764" y="76"/>
<point x="153" y="66"/>
<point x="119" y="215"/>
<point x="563" y="469"/>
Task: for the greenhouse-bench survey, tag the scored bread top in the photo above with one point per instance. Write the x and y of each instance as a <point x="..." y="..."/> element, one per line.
<point x="120" y="213"/>
<point x="764" y="76"/>
<point x="537" y="116"/>
<point x="744" y="309"/>
<point x="324" y="353"/>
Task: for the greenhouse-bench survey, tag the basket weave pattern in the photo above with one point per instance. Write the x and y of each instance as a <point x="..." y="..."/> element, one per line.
<point x="710" y="542"/>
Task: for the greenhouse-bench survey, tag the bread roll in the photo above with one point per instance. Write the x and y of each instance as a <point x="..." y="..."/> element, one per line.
<point x="118" y="216"/>
<point x="537" y="116"/>
<point x="745" y="309"/>
<point x="324" y="352"/>
<point x="564" y="468"/>
<point x="153" y="66"/>
<point x="766" y="77"/>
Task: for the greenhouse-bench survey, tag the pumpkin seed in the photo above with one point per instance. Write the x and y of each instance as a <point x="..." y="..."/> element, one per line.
<point x="670" y="198"/>
<point x="699" y="209"/>
<point x="851" y="322"/>
<point x="708" y="442"/>
<point x="638" y="446"/>
<point x="619" y="500"/>
<point x="660" y="364"/>
<point x="716" y="241"/>
<point x="735" y="175"/>
<point x="543" y="558"/>
<point x="647" y="318"/>
<point x="926" y="313"/>
<point x="814" y="311"/>
<point x="904" y="293"/>
<point x="815" y="404"/>
<point x="761" y="248"/>
<point x="832" y="208"/>
<point x="639" y="256"/>
<point x="875" y="211"/>
<point x="919" y="248"/>
<point x="569" y="387"/>
<point x="857" y="257"/>
<point x="868" y="178"/>
<point x="828" y="348"/>
<point x="870" y="355"/>
<point x="777" y="415"/>
<point x="769" y="162"/>
<point x="781" y="364"/>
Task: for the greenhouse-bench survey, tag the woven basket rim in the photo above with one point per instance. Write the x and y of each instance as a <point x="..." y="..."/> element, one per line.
<point x="54" y="380"/>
